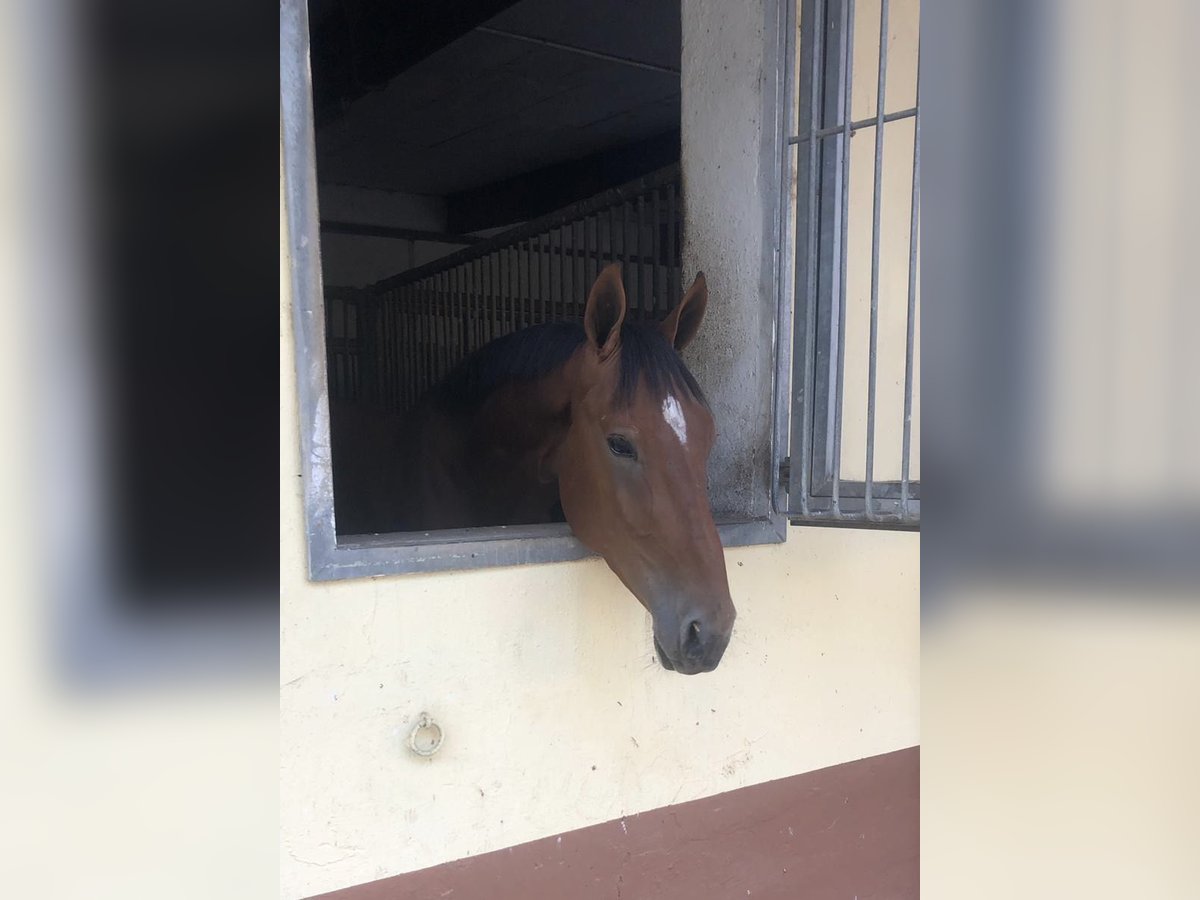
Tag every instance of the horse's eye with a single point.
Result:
(621, 446)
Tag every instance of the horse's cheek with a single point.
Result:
(579, 506)
(635, 505)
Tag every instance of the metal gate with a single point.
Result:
(822, 257)
(388, 343)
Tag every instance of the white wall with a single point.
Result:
(556, 713)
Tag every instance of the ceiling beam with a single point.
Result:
(359, 229)
(536, 193)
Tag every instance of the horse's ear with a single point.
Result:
(684, 321)
(605, 311)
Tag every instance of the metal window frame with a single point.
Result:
(816, 134)
(331, 558)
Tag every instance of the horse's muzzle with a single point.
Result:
(699, 647)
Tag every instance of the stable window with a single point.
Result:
(850, 260)
(506, 255)
(810, 360)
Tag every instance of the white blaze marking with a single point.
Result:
(674, 416)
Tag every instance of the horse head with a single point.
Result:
(632, 471)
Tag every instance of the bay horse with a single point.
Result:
(600, 423)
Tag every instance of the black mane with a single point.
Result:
(537, 351)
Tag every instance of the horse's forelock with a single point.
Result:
(648, 357)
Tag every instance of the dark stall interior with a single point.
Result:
(477, 164)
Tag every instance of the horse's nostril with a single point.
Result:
(693, 643)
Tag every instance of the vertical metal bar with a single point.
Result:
(656, 293)
(610, 255)
(410, 363)
(614, 226)
(673, 291)
(420, 374)
(414, 349)
(598, 246)
(480, 301)
(872, 362)
(543, 274)
(468, 308)
(579, 263)
(524, 290)
(437, 319)
(379, 337)
(476, 305)
(458, 319)
(464, 339)
(440, 321)
(378, 311)
(532, 283)
(624, 249)
(493, 280)
(585, 229)
(450, 312)
(400, 364)
(847, 80)
(597, 258)
(385, 336)
(430, 343)
(431, 329)
(421, 350)
(455, 317)
(347, 318)
(399, 330)
(399, 337)
(449, 316)
(502, 291)
(402, 355)
(914, 218)
(537, 302)
(382, 351)
(514, 277)
(419, 294)
(426, 291)
(569, 266)
(505, 291)
(445, 315)
(562, 272)
(497, 291)
(641, 224)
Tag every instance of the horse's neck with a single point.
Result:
(524, 419)
(495, 466)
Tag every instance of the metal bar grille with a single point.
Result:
(427, 319)
(836, 473)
